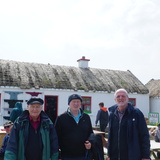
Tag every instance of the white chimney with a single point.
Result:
(83, 63)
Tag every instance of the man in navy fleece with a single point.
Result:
(73, 129)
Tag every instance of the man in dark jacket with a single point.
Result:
(102, 117)
(128, 133)
(33, 136)
(73, 130)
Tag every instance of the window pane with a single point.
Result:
(87, 108)
(86, 104)
(86, 100)
(133, 101)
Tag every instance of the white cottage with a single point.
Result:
(21, 80)
(154, 94)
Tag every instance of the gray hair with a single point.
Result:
(121, 89)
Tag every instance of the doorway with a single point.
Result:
(51, 107)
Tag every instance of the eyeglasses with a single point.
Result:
(78, 102)
(6, 127)
(35, 107)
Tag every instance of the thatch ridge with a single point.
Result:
(154, 88)
(35, 75)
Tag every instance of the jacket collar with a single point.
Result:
(129, 108)
(25, 116)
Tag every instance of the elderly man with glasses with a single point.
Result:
(128, 134)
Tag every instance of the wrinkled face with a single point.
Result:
(8, 129)
(121, 99)
(75, 105)
(34, 110)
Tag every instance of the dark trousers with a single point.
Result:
(103, 127)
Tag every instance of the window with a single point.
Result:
(133, 101)
(86, 104)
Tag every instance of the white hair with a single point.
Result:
(121, 89)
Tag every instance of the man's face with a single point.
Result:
(121, 99)
(75, 105)
(34, 110)
(8, 129)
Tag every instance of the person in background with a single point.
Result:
(33, 136)
(102, 117)
(128, 133)
(157, 138)
(7, 126)
(157, 134)
(16, 112)
(73, 129)
(151, 130)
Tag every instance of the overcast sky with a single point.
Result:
(113, 34)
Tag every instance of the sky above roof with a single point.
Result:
(113, 34)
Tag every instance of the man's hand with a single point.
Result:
(87, 145)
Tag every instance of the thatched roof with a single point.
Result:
(33, 75)
(154, 87)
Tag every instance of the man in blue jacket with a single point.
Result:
(8, 127)
(128, 133)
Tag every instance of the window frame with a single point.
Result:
(132, 100)
(88, 104)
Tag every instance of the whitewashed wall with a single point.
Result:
(142, 101)
(155, 104)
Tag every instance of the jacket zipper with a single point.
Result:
(79, 117)
(119, 139)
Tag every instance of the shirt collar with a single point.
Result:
(75, 118)
(31, 119)
(121, 112)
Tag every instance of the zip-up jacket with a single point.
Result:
(102, 116)
(72, 135)
(132, 134)
(19, 136)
